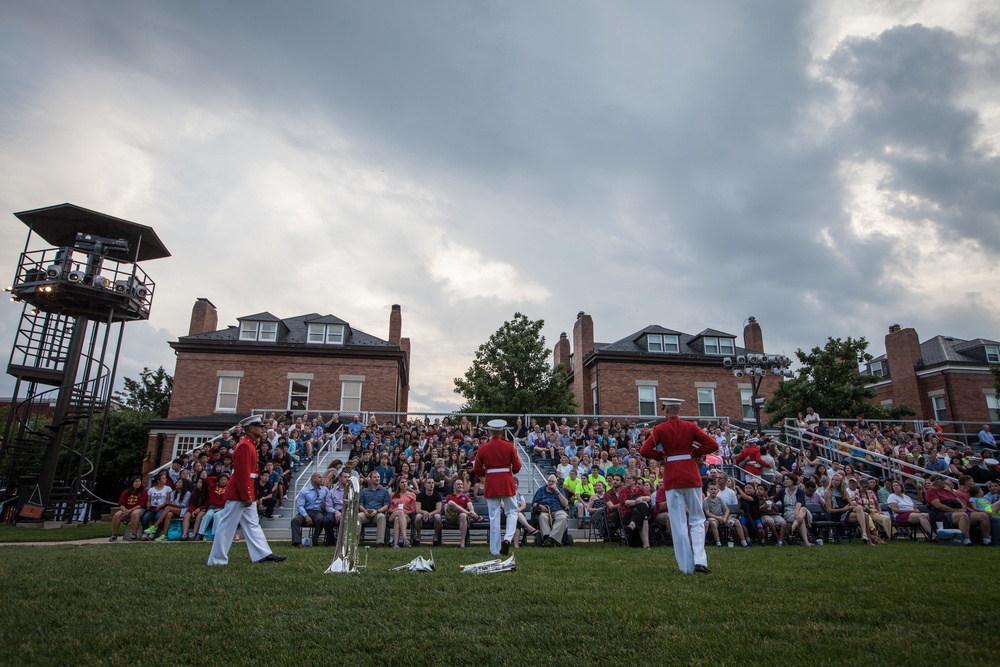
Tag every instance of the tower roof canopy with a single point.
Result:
(60, 224)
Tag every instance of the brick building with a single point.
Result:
(627, 376)
(943, 378)
(307, 363)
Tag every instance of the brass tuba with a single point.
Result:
(345, 555)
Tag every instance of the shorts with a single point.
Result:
(903, 517)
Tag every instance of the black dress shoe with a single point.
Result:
(703, 569)
(271, 558)
(505, 547)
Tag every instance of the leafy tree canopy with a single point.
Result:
(150, 393)
(828, 381)
(511, 374)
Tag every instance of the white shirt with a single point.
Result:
(728, 496)
(904, 503)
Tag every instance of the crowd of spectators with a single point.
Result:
(417, 475)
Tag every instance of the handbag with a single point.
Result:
(31, 511)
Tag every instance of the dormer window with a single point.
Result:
(326, 334)
(876, 369)
(266, 332)
(715, 345)
(662, 343)
(993, 354)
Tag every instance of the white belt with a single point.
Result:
(253, 475)
(680, 457)
(497, 470)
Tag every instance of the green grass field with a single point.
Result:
(156, 604)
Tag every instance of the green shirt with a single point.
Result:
(615, 470)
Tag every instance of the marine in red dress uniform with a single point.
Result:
(241, 507)
(678, 444)
(497, 462)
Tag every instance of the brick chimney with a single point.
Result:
(753, 339)
(404, 390)
(561, 353)
(204, 317)
(395, 324)
(583, 344)
(902, 351)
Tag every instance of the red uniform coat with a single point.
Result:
(754, 464)
(493, 455)
(675, 437)
(241, 484)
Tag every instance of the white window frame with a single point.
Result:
(235, 394)
(248, 329)
(993, 354)
(727, 346)
(184, 443)
(940, 408)
(268, 332)
(292, 394)
(671, 343)
(335, 334)
(993, 407)
(649, 400)
(746, 400)
(711, 392)
(346, 407)
(654, 343)
(315, 334)
(710, 340)
(663, 343)
(877, 369)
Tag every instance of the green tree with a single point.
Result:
(995, 369)
(511, 374)
(151, 392)
(124, 448)
(828, 381)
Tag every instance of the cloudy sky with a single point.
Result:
(831, 168)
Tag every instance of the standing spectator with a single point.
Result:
(752, 462)
(811, 420)
(131, 505)
(550, 503)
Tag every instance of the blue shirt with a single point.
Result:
(355, 428)
(549, 498)
(311, 499)
(371, 499)
(986, 438)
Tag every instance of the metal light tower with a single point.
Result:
(77, 296)
(756, 366)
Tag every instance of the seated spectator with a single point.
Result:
(842, 509)
(402, 507)
(636, 510)
(131, 506)
(267, 495)
(792, 502)
(661, 513)
(771, 517)
(157, 499)
(716, 514)
(549, 504)
(596, 506)
(386, 472)
(177, 507)
(750, 506)
(562, 470)
(522, 521)
(868, 500)
(986, 438)
(458, 510)
(538, 444)
(373, 503)
(333, 506)
(946, 508)
(197, 507)
(428, 512)
(216, 503)
(906, 510)
(309, 510)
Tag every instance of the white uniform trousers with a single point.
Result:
(226, 523)
(509, 507)
(686, 510)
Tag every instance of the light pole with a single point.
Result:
(755, 366)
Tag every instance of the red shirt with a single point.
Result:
(932, 494)
(627, 494)
(131, 498)
(216, 494)
(751, 454)
(611, 497)
(497, 455)
(241, 484)
(460, 500)
(682, 439)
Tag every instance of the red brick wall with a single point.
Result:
(963, 395)
(902, 350)
(583, 344)
(619, 393)
(265, 383)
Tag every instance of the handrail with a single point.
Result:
(336, 437)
